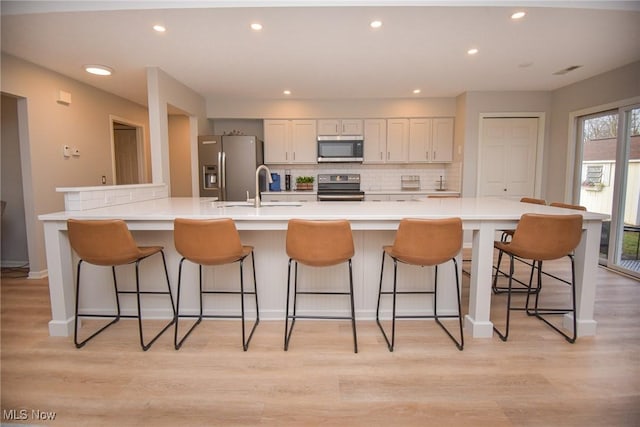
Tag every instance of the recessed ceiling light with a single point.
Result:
(518, 15)
(160, 28)
(287, 92)
(375, 24)
(472, 51)
(417, 91)
(256, 26)
(99, 70)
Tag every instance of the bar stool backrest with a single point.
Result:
(567, 206)
(207, 241)
(546, 237)
(103, 242)
(319, 243)
(533, 201)
(427, 241)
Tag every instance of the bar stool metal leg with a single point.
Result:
(178, 343)
(78, 315)
(146, 346)
(541, 313)
(459, 344)
(391, 341)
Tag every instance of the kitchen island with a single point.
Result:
(373, 224)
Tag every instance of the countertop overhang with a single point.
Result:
(167, 209)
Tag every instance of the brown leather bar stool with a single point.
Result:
(213, 242)
(109, 243)
(318, 244)
(506, 236)
(541, 238)
(423, 242)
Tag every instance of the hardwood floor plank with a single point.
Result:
(536, 378)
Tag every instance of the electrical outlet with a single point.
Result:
(66, 151)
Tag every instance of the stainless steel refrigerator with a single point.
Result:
(228, 166)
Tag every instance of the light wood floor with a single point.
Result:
(534, 379)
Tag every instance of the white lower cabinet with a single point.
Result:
(376, 197)
(289, 196)
(403, 197)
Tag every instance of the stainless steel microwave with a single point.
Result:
(340, 149)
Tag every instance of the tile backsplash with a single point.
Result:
(382, 177)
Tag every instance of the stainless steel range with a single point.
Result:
(339, 187)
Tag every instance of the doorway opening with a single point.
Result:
(127, 150)
(15, 245)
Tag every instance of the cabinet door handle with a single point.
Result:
(434, 154)
(388, 155)
(426, 154)
(286, 155)
(294, 155)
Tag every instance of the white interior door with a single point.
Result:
(508, 150)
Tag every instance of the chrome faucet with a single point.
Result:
(256, 200)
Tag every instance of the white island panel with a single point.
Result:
(374, 224)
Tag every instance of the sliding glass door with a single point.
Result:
(609, 144)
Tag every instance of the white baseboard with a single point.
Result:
(38, 274)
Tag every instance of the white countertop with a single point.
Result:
(187, 207)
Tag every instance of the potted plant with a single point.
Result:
(304, 183)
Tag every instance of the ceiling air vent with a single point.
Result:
(566, 70)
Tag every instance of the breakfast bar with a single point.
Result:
(373, 225)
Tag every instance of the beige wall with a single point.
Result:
(167, 95)
(342, 108)
(50, 125)
(179, 153)
(477, 103)
(85, 124)
(611, 87)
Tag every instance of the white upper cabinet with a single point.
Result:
(290, 141)
(339, 127)
(431, 140)
(386, 141)
(277, 137)
(304, 143)
(375, 141)
(442, 140)
(397, 140)
(420, 140)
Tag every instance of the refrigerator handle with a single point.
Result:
(223, 172)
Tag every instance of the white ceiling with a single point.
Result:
(325, 52)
